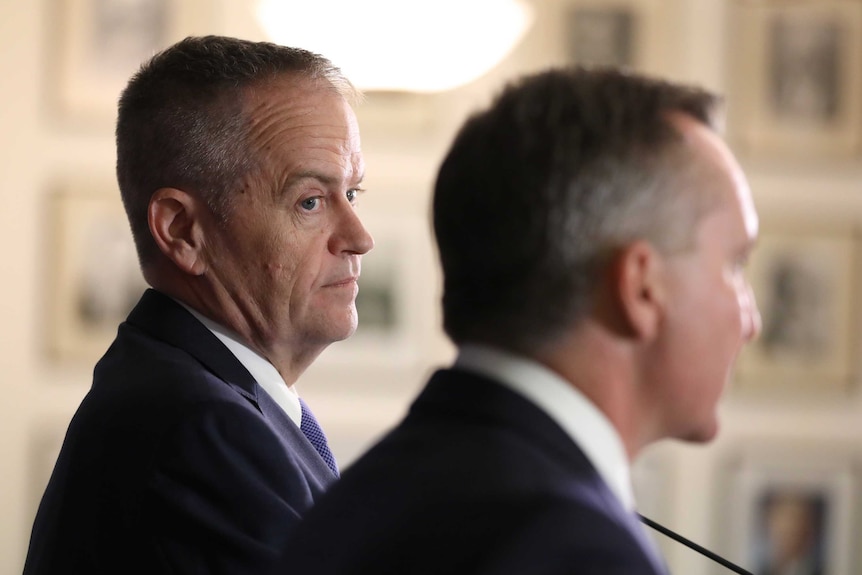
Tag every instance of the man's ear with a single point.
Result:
(174, 217)
(637, 284)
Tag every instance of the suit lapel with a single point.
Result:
(630, 521)
(461, 394)
(164, 319)
(303, 448)
(469, 396)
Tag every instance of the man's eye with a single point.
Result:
(351, 195)
(309, 203)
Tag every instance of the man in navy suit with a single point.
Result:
(592, 228)
(239, 165)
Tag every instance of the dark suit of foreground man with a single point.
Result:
(238, 164)
(592, 229)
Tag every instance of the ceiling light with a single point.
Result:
(401, 45)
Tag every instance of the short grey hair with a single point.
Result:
(182, 123)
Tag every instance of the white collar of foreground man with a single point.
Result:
(260, 369)
(586, 425)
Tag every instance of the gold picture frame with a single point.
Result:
(618, 33)
(804, 280)
(791, 504)
(393, 300)
(97, 45)
(95, 276)
(794, 84)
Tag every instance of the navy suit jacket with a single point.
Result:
(478, 480)
(176, 461)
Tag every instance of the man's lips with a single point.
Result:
(346, 282)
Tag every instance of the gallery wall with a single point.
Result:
(792, 418)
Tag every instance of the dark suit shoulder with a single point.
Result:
(139, 365)
(474, 479)
(170, 463)
(429, 532)
(566, 537)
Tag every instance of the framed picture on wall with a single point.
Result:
(792, 511)
(795, 87)
(609, 33)
(805, 284)
(601, 36)
(95, 277)
(96, 46)
(391, 304)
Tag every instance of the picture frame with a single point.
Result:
(805, 282)
(601, 35)
(792, 506)
(95, 275)
(794, 89)
(615, 33)
(393, 299)
(97, 45)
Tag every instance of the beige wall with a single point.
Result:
(359, 391)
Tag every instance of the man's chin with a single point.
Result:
(338, 326)
(701, 434)
(343, 332)
(347, 334)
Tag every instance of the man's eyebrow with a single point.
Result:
(309, 175)
(320, 177)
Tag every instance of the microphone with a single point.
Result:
(694, 546)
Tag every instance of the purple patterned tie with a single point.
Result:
(311, 429)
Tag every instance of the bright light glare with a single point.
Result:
(401, 44)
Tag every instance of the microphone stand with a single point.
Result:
(694, 546)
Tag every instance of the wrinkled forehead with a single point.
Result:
(304, 128)
(301, 104)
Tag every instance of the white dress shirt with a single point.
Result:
(260, 369)
(588, 427)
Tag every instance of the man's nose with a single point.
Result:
(752, 322)
(351, 236)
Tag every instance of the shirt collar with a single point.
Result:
(588, 427)
(260, 369)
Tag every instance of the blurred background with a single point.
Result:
(781, 483)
